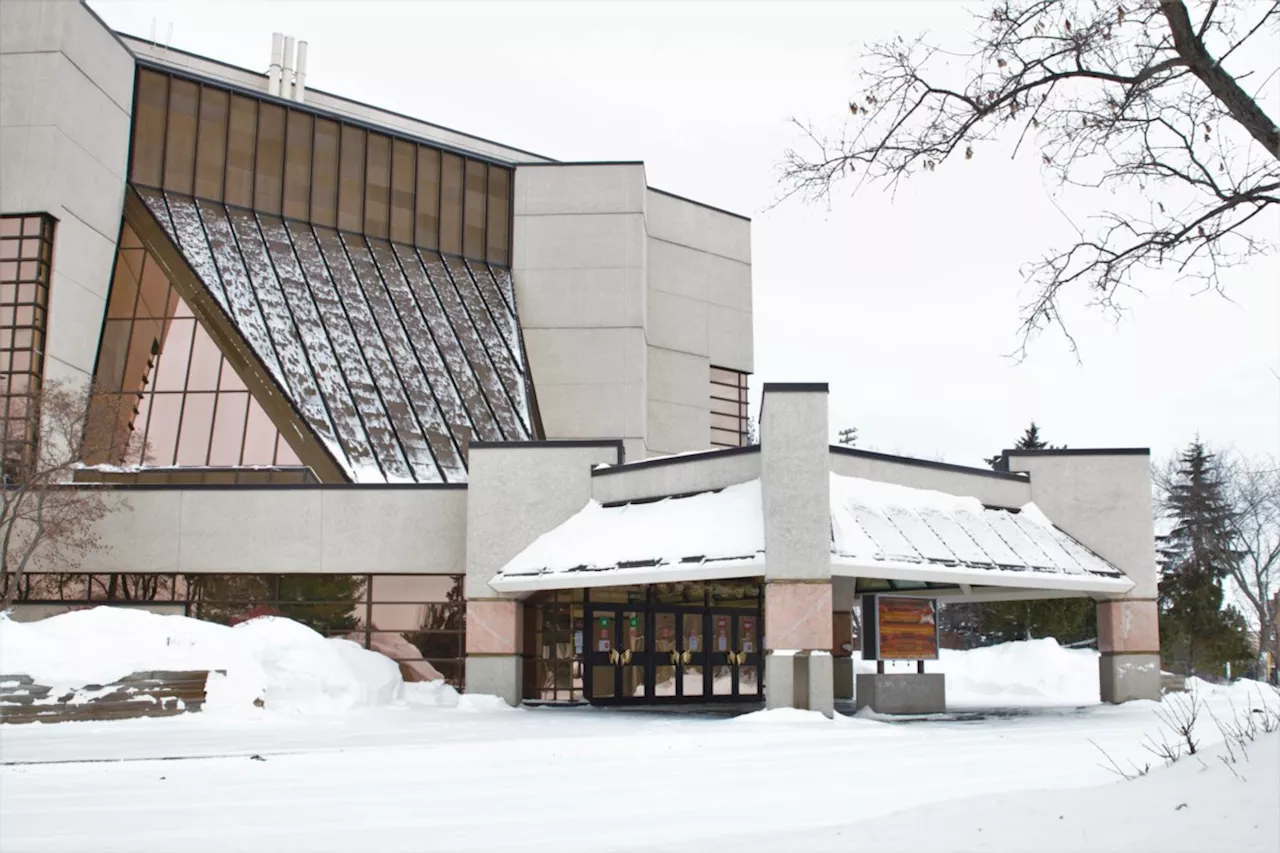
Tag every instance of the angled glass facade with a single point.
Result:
(394, 356)
(176, 398)
(359, 277)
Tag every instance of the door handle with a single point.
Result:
(614, 657)
(625, 657)
(675, 658)
(686, 657)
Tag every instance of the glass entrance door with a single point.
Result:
(679, 653)
(735, 657)
(617, 660)
(670, 644)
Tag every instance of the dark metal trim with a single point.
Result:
(615, 443)
(309, 107)
(162, 487)
(925, 463)
(792, 387)
(655, 499)
(585, 163)
(700, 204)
(1082, 451)
(642, 464)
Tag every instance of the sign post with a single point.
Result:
(899, 628)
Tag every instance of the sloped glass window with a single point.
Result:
(184, 403)
(395, 358)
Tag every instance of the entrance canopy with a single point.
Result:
(707, 536)
(882, 530)
(878, 530)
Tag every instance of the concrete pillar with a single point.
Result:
(494, 663)
(1103, 498)
(516, 492)
(779, 679)
(1129, 643)
(843, 600)
(842, 653)
(821, 683)
(795, 486)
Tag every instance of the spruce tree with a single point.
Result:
(1197, 556)
(1031, 439)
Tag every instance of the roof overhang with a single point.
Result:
(975, 576)
(878, 531)
(707, 570)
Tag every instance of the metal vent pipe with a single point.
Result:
(300, 75)
(277, 55)
(286, 83)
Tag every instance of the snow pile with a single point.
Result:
(281, 662)
(1030, 673)
(429, 694)
(784, 715)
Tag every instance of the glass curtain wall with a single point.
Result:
(179, 402)
(199, 139)
(728, 408)
(417, 620)
(26, 253)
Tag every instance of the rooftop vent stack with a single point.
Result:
(286, 83)
(277, 55)
(300, 74)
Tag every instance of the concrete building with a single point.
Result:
(477, 408)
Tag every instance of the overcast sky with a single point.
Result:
(907, 306)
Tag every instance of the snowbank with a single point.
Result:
(1031, 673)
(784, 715)
(281, 662)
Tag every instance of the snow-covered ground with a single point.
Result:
(428, 770)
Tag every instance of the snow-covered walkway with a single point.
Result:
(415, 778)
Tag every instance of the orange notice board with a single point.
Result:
(899, 628)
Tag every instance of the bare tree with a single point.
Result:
(1253, 491)
(1116, 95)
(46, 522)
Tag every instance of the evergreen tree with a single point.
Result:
(1067, 620)
(1196, 557)
(1031, 439)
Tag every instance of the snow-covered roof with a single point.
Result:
(390, 353)
(696, 537)
(886, 530)
(878, 530)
